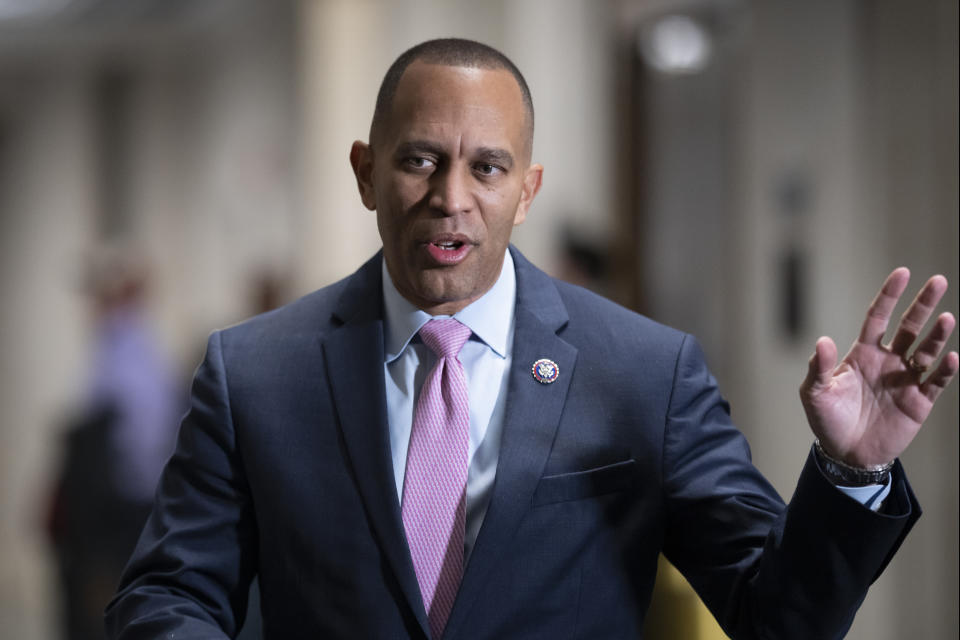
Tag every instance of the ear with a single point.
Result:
(361, 159)
(531, 185)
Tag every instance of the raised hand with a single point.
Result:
(867, 409)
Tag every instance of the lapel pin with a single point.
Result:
(545, 371)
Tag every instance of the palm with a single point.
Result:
(867, 409)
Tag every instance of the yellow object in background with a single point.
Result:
(676, 611)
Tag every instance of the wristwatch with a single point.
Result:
(845, 475)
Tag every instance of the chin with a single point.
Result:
(438, 294)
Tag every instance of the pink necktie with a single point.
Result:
(435, 482)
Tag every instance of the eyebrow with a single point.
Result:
(493, 155)
(414, 147)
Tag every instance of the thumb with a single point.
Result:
(822, 362)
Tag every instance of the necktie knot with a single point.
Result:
(445, 337)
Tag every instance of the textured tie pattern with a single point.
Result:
(435, 482)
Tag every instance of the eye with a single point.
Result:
(487, 169)
(418, 163)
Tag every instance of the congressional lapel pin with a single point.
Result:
(545, 371)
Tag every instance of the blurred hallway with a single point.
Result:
(754, 200)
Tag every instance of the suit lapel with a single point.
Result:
(354, 357)
(530, 424)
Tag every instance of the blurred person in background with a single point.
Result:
(115, 444)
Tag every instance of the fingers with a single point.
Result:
(878, 315)
(917, 314)
(932, 344)
(929, 350)
(941, 377)
(822, 362)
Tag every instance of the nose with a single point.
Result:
(450, 192)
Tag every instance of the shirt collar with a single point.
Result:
(490, 317)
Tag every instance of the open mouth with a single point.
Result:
(448, 251)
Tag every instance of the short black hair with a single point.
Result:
(452, 52)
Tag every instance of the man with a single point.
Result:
(513, 472)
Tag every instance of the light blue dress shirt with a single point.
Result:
(486, 362)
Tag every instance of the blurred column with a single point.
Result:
(565, 50)
(343, 57)
(47, 200)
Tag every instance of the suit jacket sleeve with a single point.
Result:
(765, 571)
(190, 573)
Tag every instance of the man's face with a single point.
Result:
(449, 179)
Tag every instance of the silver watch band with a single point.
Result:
(846, 475)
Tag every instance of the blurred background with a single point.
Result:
(745, 170)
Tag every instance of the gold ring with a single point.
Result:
(915, 366)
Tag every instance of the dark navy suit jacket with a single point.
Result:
(283, 470)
